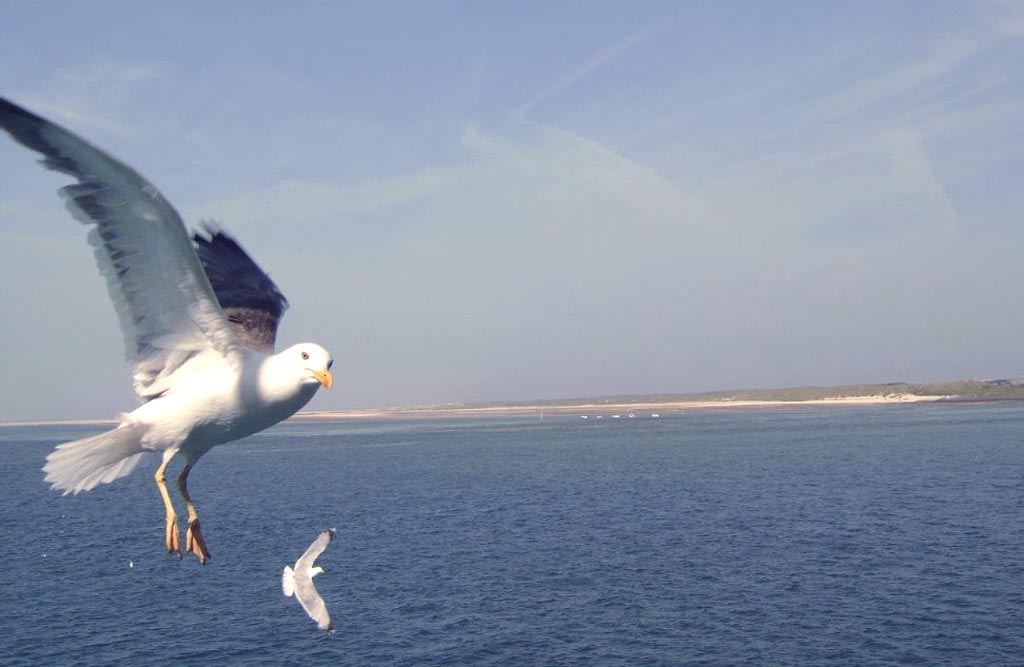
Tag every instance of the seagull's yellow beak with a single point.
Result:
(325, 377)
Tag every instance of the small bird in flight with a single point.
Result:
(300, 581)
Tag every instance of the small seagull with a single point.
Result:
(300, 582)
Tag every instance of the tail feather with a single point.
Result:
(288, 581)
(82, 464)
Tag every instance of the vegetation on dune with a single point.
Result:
(960, 389)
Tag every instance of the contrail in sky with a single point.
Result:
(590, 64)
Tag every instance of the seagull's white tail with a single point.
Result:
(288, 581)
(82, 464)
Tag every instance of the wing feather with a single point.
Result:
(311, 601)
(251, 301)
(306, 560)
(166, 307)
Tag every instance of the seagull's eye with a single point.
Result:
(305, 355)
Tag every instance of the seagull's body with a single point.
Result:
(300, 581)
(199, 319)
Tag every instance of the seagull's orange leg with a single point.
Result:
(194, 541)
(172, 539)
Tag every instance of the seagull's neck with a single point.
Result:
(278, 389)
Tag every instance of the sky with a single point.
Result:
(519, 200)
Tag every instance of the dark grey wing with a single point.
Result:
(251, 301)
(319, 544)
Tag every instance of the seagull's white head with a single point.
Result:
(313, 361)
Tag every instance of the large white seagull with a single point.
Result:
(199, 319)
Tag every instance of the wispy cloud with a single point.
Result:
(947, 57)
(914, 163)
(319, 202)
(584, 68)
(87, 96)
(77, 115)
(473, 138)
(895, 82)
(106, 73)
(1006, 17)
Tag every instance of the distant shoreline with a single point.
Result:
(612, 408)
(587, 408)
(893, 393)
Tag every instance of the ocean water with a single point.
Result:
(816, 536)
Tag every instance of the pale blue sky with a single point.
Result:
(489, 201)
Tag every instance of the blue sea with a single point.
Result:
(889, 535)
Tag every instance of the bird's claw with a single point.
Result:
(194, 542)
(172, 538)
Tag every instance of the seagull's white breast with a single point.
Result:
(210, 402)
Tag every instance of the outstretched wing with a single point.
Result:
(306, 560)
(166, 307)
(311, 601)
(251, 301)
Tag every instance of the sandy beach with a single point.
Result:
(587, 408)
(622, 409)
